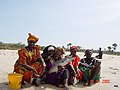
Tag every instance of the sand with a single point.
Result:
(110, 71)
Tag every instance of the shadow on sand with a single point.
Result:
(5, 86)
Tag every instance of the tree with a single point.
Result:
(42, 48)
(1, 42)
(63, 47)
(19, 43)
(69, 45)
(114, 46)
(79, 47)
(109, 48)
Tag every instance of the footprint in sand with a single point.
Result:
(113, 68)
(113, 72)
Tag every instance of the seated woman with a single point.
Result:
(59, 78)
(30, 63)
(47, 55)
(59, 52)
(72, 67)
(90, 68)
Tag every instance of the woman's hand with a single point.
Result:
(29, 68)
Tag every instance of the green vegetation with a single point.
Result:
(111, 49)
(15, 46)
(11, 46)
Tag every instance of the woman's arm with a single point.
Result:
(42, 60)
(29, 68)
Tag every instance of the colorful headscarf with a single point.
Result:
(58, 49)
(74, 47)
(32, 38)
(51, 48)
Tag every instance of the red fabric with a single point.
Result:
(79, 75)
(76, 61)
(29, 58)
(27, 76)
(74, 47)
(39, 67)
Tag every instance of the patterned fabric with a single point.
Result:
(32, 38)
(72, 74)
(61, 50)
(89, 73)
(91, 61)
(29, 58)
(76, 61)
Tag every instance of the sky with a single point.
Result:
(87, 23)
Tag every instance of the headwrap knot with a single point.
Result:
(32, 38)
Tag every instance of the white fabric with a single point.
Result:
(51, 48)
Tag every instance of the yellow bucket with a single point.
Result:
(15, 80)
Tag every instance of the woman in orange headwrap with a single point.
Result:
(30, 63)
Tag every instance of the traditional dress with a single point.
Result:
(45, 55)
(72, 73)
(57, 78)
(47, 61)
(31, 58)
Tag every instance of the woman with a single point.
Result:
(30, 63)
(47, 55)
(59, 78)
(59, 52)
(75, 73)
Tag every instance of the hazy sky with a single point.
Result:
(88, 23)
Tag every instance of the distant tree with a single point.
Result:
(109, 48)
(69, 45)
(42, 48)
(1, 42)
(19, 43)
(104, 49)
(79, 47)
(114, 46)
(63, 47)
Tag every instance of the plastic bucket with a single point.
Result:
(15, 80)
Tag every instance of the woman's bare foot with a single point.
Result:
(61, 86)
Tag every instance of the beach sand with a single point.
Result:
(110, 73)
